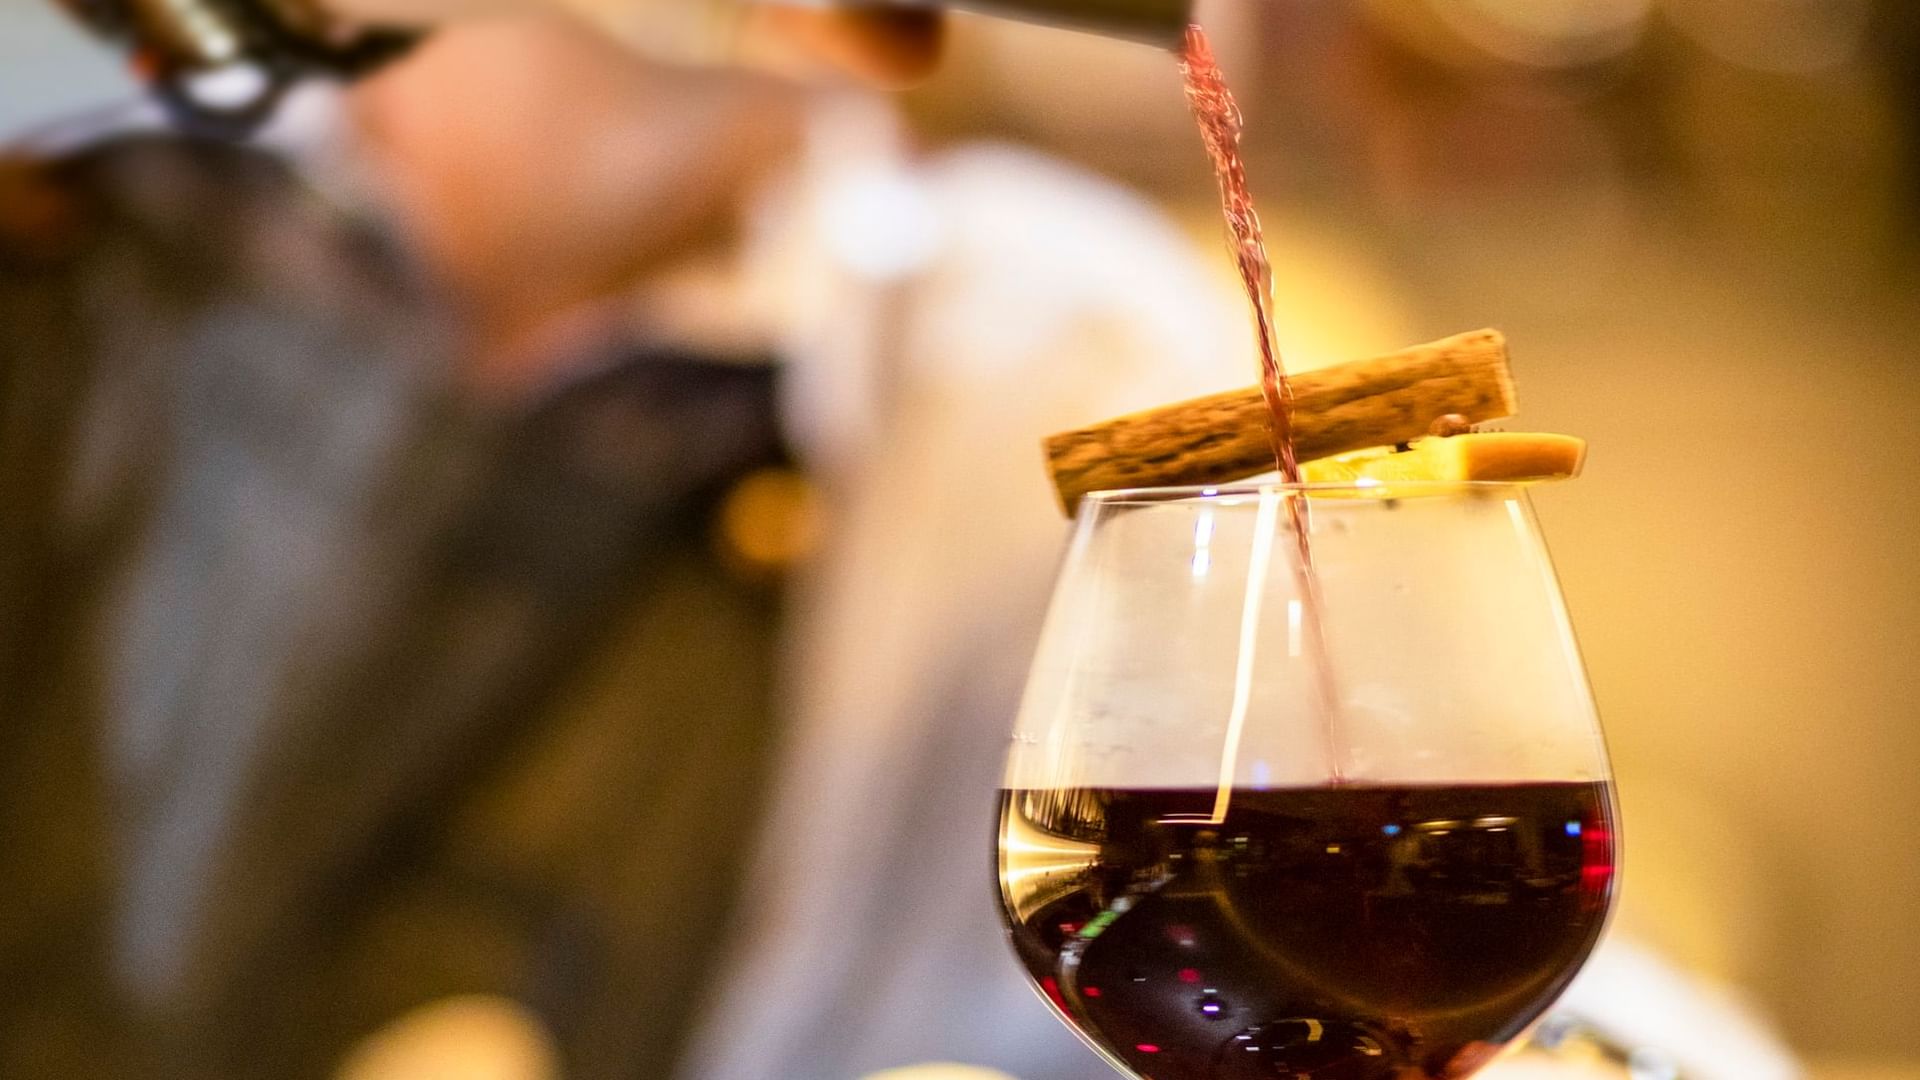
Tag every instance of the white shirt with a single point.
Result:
(942, 318)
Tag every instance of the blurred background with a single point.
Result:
(1698, 221)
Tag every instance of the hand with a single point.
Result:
(886, 47)
(1533, 1066)
(940, 1071)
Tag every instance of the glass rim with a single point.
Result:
(1242, 490)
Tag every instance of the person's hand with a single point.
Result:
(939, 1071)
(882, 46)
(1534, 1066)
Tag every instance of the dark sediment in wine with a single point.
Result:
(1355, 931)
(1220, 123)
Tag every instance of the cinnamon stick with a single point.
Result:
(1222, 437)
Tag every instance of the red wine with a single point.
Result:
(1354, 931)
(1218, 115)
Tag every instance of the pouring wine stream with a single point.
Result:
(1220, 127)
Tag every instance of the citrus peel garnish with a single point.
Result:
(1513, 457)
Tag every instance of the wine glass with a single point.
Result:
(1307, 782)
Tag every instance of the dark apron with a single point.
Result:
(322, 695)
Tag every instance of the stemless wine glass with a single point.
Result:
(1327, 809)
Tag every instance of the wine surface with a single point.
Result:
(1353, 931)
